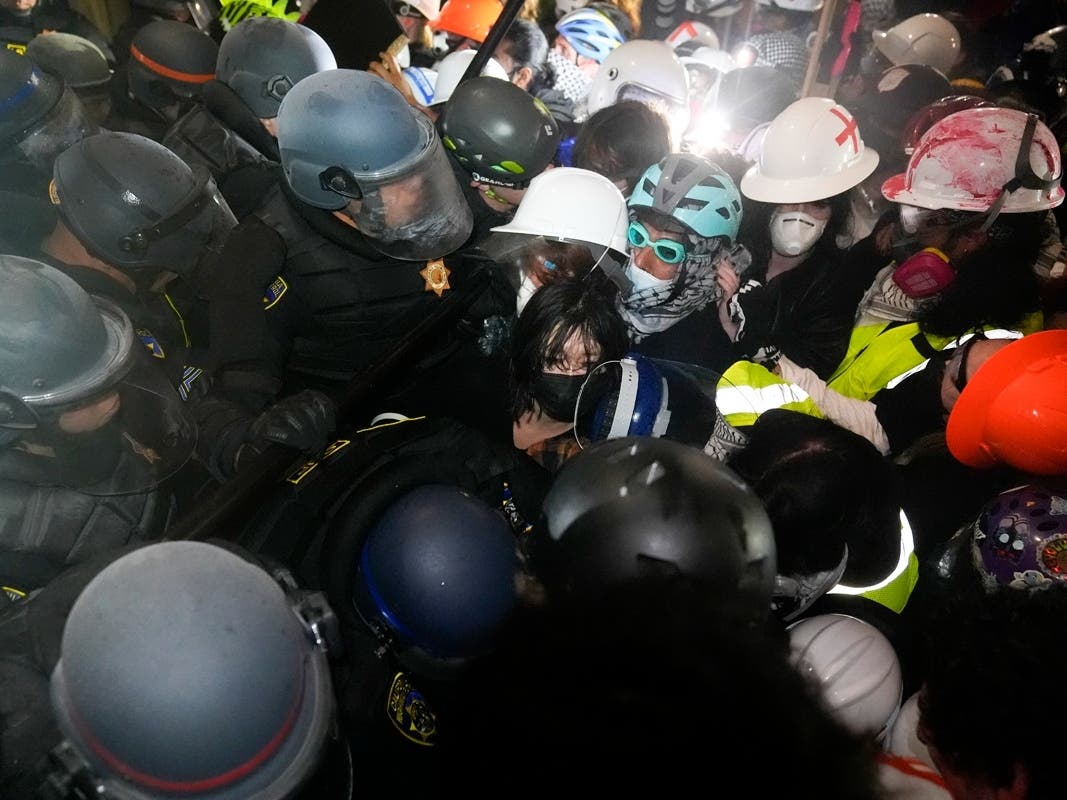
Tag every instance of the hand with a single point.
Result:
(303, 421)
(729, 282)
(389, 70)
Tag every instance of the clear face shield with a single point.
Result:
(64, 125)
(532, 261)
(413, 211)
(123, 439)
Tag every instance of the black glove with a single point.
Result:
(303, 421)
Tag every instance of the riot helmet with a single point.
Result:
(137, 206)
(629, 507)
(169, 63)
(79, 62)
(498, 132)
(262, 58)
(186, 669)
(1020, 539)
(79, 391)
(435, 577)
(39, 117)
(349, 140)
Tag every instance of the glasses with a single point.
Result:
(963, 352)
(667, 250)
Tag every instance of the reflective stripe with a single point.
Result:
(992, 333)
(752, 400)
(907, 554)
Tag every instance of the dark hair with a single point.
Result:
(525, 42)
(823, 487)
(663, 678)
(996, 285)
(757, 217)
(621, 141)
(554, 313)
(989, 657)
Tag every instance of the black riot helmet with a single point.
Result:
(630, 507)
(74, 379)
(186, 670)
(262, 58)
(499, 133)
(39, 117)
(435, 577)
(79, 62)
(134, 204)
(169, 63)
(349, 140)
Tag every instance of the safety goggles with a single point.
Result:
(667, 250)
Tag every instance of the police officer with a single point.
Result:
(138, 225)
(260, 60)
(372, 216)
(90, 429)
(246, 707)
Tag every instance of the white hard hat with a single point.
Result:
(564, 7)
(854, 666)
(451, 68)
(422, 81)
(428, 8)
(965, 161)
(644, 70)
(699, 33)
(902, 738)
(928, 39)
(812, 150)
(572, 204)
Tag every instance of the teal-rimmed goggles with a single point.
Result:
(667, 250)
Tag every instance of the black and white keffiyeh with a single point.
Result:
(656, 309)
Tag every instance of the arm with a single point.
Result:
(855, 415)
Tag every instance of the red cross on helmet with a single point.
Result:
(812, 150)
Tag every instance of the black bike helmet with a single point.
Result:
(498, 132)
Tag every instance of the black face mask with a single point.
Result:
(557, 395)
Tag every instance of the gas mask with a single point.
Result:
(924, 274)
(794, 232)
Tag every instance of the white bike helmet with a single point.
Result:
(928, 39)
(793, 5)
(647, 71)
(451, 68)
(975, 159)
(811, 151)
(855, 668)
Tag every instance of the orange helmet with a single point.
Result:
(470, 19)
(1014, 410)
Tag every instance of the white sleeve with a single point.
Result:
(856, 415)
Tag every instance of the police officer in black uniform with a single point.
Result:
(91, 432)
(139, 226)
(373, 219)
(233, 128)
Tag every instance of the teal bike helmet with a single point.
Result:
(693, 191)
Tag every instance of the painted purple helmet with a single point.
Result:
(1020, 539)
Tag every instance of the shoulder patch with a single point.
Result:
(410, 713)
(151, 342)
(277, 289)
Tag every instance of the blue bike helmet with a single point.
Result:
(694, 192)
(590, 32)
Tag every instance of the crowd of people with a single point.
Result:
(676, 389)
